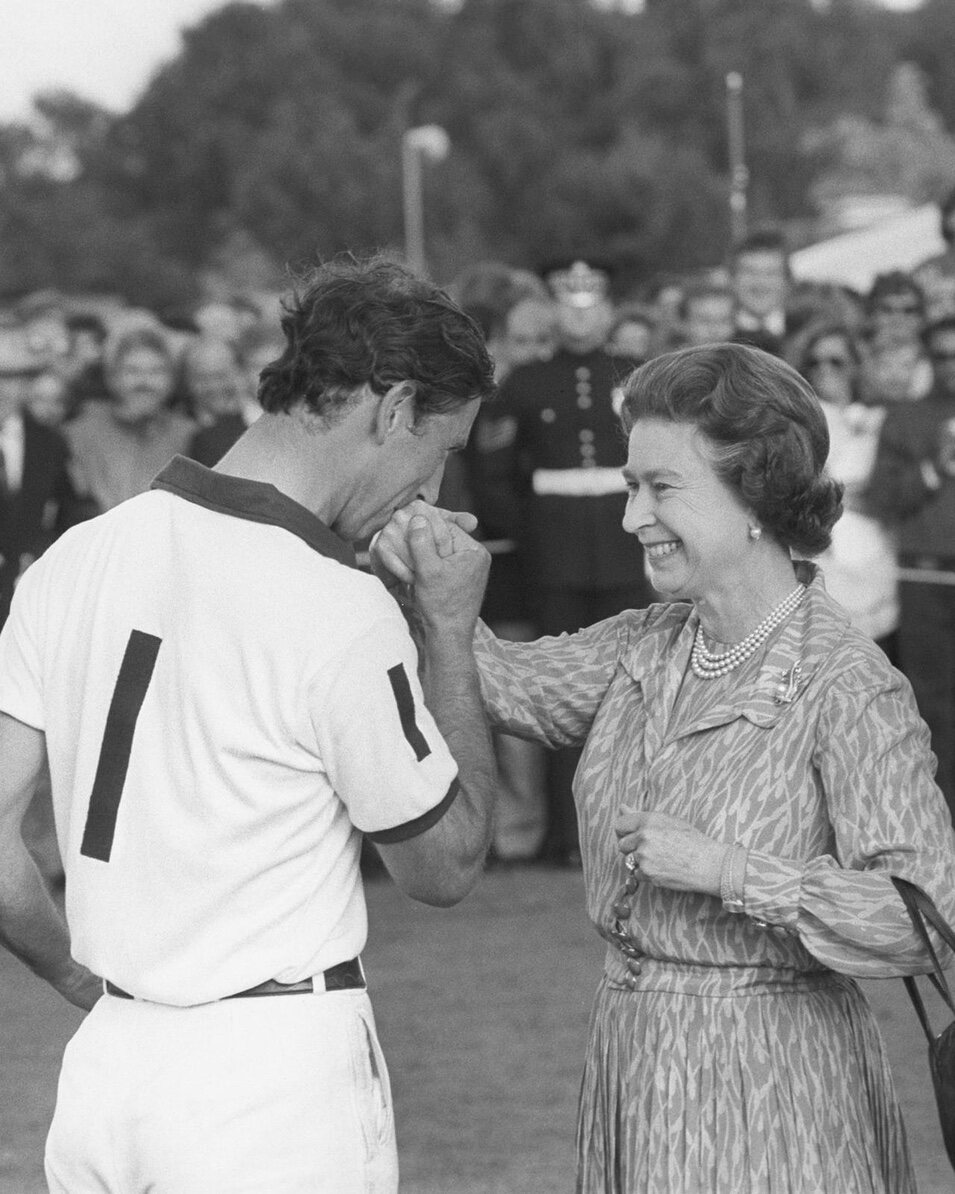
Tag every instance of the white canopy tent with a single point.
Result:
(854, 258)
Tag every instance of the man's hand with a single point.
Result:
(450, 571)
(390, 554)
(31, 925)
(81, 987)
(670, 852)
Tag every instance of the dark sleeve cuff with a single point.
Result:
(410, 829)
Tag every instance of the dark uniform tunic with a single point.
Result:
(548, 474)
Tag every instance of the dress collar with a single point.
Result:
(256, 501)
(765, 688)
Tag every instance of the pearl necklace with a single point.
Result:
(708, 665)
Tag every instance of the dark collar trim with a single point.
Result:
(254, 500)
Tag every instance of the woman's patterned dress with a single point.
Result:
(742, 1058)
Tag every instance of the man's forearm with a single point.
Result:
(452, 692)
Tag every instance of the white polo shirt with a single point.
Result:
(226, 703)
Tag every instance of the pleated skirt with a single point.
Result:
(786, 1091)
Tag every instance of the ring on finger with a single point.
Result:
(631, 863)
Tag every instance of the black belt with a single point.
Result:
(346, 976)
(926, 562)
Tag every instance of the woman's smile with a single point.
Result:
(657, 551)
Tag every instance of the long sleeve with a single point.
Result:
(550, 690)
(875, 770)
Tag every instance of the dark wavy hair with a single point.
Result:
(354, 322)
(764, 429)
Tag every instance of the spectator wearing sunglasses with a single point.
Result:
(896, 369)
(913, 481)
(936, 275)
(861, 565)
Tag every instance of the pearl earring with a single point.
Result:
(755, 532)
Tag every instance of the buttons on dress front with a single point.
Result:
(584, 397)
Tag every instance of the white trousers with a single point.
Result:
(285, 1094)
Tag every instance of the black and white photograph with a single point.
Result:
(477, 596)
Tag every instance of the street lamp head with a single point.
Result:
(429, 140)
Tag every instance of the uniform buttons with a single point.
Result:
(587, 453)
(584, 401)
(632, 982)
(586, 436)
(582, 373)
(634, 966)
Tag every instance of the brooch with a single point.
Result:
(788, 686)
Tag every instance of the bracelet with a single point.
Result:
(732, 878)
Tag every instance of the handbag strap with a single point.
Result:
(916, 996)
(921, 909)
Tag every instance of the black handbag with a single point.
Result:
(941, 1048)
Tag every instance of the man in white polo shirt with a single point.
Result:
(226, 705)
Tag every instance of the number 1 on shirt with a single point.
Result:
(136, 670)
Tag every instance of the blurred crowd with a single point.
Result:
(94, 402)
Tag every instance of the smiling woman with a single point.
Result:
(710, 470)
(738, 797)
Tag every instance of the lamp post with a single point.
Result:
(427, 142)
(739, 174)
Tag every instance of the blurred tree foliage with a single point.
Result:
(575, 128)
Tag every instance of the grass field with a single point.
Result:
(482, 1010)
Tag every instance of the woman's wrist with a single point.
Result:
(733, 877)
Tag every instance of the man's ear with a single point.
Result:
(396, 410)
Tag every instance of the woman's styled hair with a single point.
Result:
(372, 322)
(763, 427)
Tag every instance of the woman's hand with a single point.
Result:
(670, 852)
